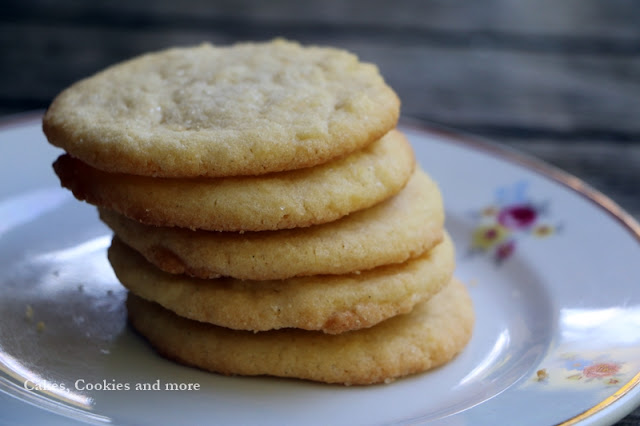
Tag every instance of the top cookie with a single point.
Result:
(245, 109)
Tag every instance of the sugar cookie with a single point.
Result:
(393, 231)
(245, 109)
(432, 334)
(333, 303)
(282, 200)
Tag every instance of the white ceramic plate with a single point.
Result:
(552, 268)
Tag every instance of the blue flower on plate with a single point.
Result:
(578, 364)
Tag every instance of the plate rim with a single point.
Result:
(484, 145)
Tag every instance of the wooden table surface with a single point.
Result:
(556, 79)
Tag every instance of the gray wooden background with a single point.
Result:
(559, 79)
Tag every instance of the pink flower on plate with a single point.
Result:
(602, 369)
(520, 216)
(512, 217)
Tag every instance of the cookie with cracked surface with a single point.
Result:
(296, 198)
(402, 227)
(333, 304)
(431, 335)
(244, 109)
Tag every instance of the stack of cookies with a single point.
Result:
(268, 217)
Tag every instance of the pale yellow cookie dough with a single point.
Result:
(431, 335)
(245, 109)
(282, 200)
(393, 231)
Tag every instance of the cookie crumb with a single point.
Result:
(542, 374)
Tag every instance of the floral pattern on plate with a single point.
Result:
(512, 216)
(588, 369)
